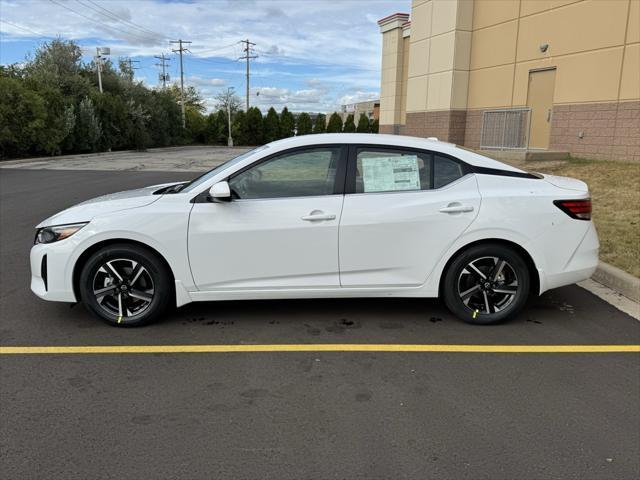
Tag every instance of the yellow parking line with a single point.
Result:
(321, 348)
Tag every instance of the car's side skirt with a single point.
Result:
(350, 292)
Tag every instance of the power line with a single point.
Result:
(209, 61)
(98, 22)
(247, 56)
(26, 29)
(181, 49)
(109, 13)
(209, 50)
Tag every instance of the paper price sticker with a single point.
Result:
(389, 174)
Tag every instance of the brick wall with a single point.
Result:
(447, 125)
(473, 129)
(610, 131)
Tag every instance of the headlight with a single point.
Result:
(57, 232)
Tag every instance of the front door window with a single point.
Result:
(297, 174)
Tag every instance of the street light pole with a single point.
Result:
(229, 138)
(100, 51)
(98, 67)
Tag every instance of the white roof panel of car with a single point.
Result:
(465, 155)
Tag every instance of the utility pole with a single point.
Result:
(247, 56)
(163, 63)
(131, 67)
(229, 96)
(181, 49)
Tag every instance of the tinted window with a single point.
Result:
(445, 171)
(392, 171)
(211, 173)
(299, 174)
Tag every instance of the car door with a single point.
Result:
(403, 209)
(280, 230)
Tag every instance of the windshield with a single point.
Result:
(212, 173)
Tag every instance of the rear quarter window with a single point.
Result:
(445, 171)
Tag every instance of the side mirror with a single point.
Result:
(220, 192)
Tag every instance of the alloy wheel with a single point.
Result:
(487, 285)
(123, 288)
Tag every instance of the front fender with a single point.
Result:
(166, 233)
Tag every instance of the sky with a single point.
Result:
(312, 55)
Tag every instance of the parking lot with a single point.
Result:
(295, 412)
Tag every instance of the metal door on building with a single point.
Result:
(540, 100)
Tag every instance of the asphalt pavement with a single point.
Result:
(316, 415)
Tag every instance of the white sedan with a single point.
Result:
(318, 216)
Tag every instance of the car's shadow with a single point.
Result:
(566, 315)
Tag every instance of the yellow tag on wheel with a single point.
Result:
(120, 319)
(475, 313)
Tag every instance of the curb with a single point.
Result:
(618, 280)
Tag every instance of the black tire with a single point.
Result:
(138, 285)
(504, 288)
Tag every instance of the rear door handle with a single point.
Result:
(457, 208)
(318, 215)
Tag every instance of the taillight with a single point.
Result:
(578, 209)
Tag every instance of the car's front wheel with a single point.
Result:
(486, 284)
(125, 285)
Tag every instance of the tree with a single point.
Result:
(192, 98)
(165, 122)
(271, 126)
(287, 123)
(254, 128)
(88, 128)
(363, 124)
(222, 119)
(226, 100)
(349, 125)
(51, 105)
(239, 128)
(374, 126)
(321, 124)
(196, 126)
(22, 118)
(126, 69)
(335, 123)
(304, 124)
(116, 122)
(212, 129)
(55, 61)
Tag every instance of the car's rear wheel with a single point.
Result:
(486, 284)
(125, 285)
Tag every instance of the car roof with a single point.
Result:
(431, 144)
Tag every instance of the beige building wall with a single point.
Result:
(438, 67)
(468, 56)
(593, 46)
(586, 40)
(392, 93)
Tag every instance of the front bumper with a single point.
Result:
(51, 274)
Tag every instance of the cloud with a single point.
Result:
(313, 53)
(205, 82)
(359, 97)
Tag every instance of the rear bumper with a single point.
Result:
(580, 266)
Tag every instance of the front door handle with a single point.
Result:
(318, 215)
(457, 208)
